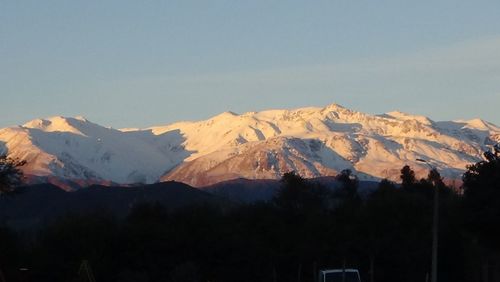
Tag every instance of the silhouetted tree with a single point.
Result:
(435, 178)
(482, 207)
(407, 176)
(300, 195)
(348, 186)
(10, 174)
(482, 193)
(395, 224)
(385, 186)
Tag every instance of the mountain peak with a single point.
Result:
(480, 124)
(77, 125)
(223, 117)
(52, 124)
(81, 118)
(227, 114)
(335, 107)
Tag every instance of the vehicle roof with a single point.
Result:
(339, 270)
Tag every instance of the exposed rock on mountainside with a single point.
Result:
(257, 145)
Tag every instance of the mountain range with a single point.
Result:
(314, 142)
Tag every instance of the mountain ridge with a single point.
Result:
(313, 141)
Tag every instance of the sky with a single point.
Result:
(144, 63)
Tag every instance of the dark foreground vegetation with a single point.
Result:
(305, 228)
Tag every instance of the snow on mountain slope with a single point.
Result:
(74, 148)
(322, 141)
(255, 145)
(268, 159)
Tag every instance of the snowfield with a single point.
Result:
(256, 145)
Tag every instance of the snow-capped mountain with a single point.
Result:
(256, 145)
(74, 148)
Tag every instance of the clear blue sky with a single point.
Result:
(142, 63)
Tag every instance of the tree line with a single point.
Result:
(305, 228)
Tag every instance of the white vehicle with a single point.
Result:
(339, 275)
